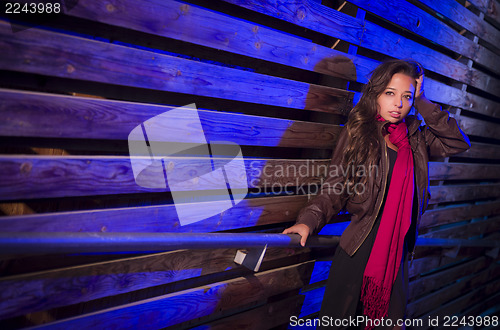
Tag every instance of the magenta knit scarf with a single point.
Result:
(385, 257)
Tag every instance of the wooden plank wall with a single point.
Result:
(275, 77)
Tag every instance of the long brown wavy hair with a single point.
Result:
(363, 147)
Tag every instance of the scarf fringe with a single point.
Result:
(375, 298)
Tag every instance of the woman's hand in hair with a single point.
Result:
(301, 229)
(419, 89)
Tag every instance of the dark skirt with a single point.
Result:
(343, 289)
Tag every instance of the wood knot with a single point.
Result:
(70, 68)
(255, 29)
(26, 168)
(258, 45)
(301, 14)
(184, 9)
(110, 7)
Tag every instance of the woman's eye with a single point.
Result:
(389, 93)
(408, 97)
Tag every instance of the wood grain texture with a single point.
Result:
(32, 292)
(426, 284)
(414, 19)
(219, 31)
(183, 306)
(482, 150)
(26, 177)
(472, 230)
(458, 193)
(482, 305)
(454, 214)
(246, 38)
(434, 300)
(65, 56)
(477, 127)
(481, 105)
(159, 218)
(457, 296)
(463, 302)
(271, 315)
(439, 258)
(319, 18)
(31, 114)
(462, 171)
(490, 8)
(460, 15)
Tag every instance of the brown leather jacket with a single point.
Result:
(441, 137)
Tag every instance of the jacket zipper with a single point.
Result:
(419, 205)
(383, 194)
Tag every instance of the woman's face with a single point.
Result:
(396, 100)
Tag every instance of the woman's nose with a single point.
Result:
(398, 103)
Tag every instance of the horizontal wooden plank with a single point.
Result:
(469, 230)
(440, 279)
(480, 105)
(319, 18)
(490, 8)
(160, 218)
(461, 171)
(458, 193)
(457, 13)
(56, 54)
(482, 150)
(48, 115)
(475, 295)
(439, 92)
(271, 315)
(484, 305)
(477, 127)
(26, 177)
(222, 32)
(418, 21)
(445, 215)
(430, 259)
(219, 31)
(422, 265)
(274, 45)
(28, 293)
(444, 295)
(193, 304)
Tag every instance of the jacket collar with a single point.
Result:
(412, 122)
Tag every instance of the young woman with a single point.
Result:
(384, 155)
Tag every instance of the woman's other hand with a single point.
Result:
(419, 89)
(301, 229)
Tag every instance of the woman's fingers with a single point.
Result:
(419, 89)
(301, 229)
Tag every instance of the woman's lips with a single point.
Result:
(395, 114)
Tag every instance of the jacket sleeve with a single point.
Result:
(442, 135)
(318, 211)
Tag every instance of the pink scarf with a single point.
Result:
(385, 257)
